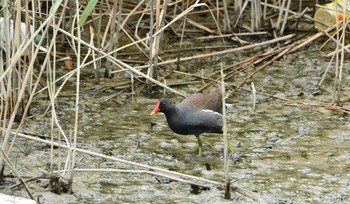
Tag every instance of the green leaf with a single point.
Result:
(90, 6)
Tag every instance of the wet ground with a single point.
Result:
(286, 154)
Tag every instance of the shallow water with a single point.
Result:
(286, 154)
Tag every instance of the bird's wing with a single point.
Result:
(209, 101)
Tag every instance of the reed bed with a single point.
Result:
(131, 37)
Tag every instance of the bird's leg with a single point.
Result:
(199, 145)
(230, 147)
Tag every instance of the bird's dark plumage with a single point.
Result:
(197, 114)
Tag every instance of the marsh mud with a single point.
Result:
(284, 152)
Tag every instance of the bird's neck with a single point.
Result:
(173, 116)
(172, 112)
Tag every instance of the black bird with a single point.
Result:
(197, 114)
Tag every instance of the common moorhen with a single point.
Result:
(197, 114)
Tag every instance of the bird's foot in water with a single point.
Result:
(200, 151)
(195, 157)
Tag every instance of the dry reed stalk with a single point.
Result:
(240, 66)
(76, 120)
(224, 52)
(112, 32)
(224, 128)
(264, 10)
(200, 26)
(21, 90)
(202, 77)
(334, 53)
(182, 35)
(184, 13)
(227, 21)
(29, 74)
(290, 102)
(253, 96)
(159, 171)
(280, 15)
(96, 64)
(285, 17)
(240, 13)
(132, 12)
(339, 62)
(331, 38)
(281, 54)
(217, 7)
(120, 10)
(229, 35)
(115, 61)
(156, 169)
(9, 163)
(237, 10)
(135, 35)
(153, 61)
(256, 15)
(326, 71)
(51, 90)
(133, 172)
(307, 17)
(45, 61)
(312, 38)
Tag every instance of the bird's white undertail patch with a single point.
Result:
(214, 112)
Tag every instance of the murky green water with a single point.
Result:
(286, 154)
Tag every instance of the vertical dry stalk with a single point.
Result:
(253, 96)
(337, 64)
(183, 29)
(116, 43)
(76, 121)
(97, 65)
(227, 24)
(217, 12)
(252, 15)
(255, 15)
(226, 141)
(52, 96)
(5, 81)
(237, 10)
(160, 18)
(340, 64)
(285, 18)
(14, 80)
(238, 6)
(345, 23)
(156, 41)
(151, 67)
(238, 15)
(51, 92)
(30, 69)
(258, 14)
(155, 49)
(280, 15)
(113, 30)
(265, 9)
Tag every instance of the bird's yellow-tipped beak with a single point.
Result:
(156, 109)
